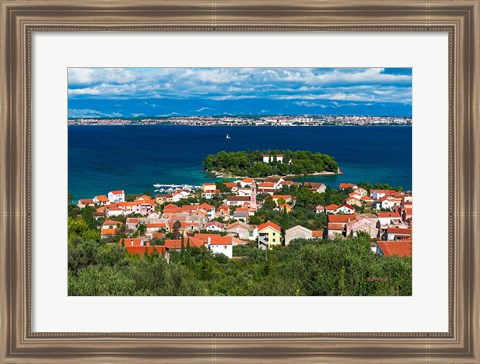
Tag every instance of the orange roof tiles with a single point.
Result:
(142, 249)
(118, 192)
(388, 214)
(206, 206)
(269, 224)
(215, 239)
(170, 208)
(401, 248)
(331, 207)
(126, 204)
(393, 230)
(341, 218)
(112, 222)
(333, 226)
(346, 185)
(109, 231)
(129, 242)
(156, 225)
(266, 184)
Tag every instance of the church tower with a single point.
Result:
(253, 195)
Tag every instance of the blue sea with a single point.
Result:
(133, 158)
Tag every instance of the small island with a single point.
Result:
(263, 163)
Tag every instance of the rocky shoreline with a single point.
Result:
(217, 174)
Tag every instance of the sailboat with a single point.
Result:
(228, 137)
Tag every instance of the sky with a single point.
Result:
(148, 92)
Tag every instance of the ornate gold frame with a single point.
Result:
(19, 19)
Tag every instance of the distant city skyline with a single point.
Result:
(150, 92)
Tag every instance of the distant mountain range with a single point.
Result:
(128, 108)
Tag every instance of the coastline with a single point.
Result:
(288, 176)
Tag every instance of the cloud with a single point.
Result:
(89, 113)
(309, 104)
(355, 84)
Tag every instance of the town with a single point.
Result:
(260, 213)
(271, 120)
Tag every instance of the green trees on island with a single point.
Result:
(251, 163)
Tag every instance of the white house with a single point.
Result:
(85, 202)
(179, 194)
(270, 158)
(244, 183)
(209, 187)
(115, 211)
(215, 226)
(388, 218)
(100, 200)
(345, 209)
(116, 196)
(220, 245)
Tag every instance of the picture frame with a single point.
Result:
(20, 19)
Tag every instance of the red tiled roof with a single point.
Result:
(133, 220)
(317, 233)
(87, 201)
(177, 243)
(266, 184)
(333, 226)
(241, 224)
(341, 218)
(112, 223)
(331, 207)
(285, 206)
(238, 198)
(348, 206)
(117, 192)
(215, 239)
(144, 202)
(285, 197)
(156, 225)
(394, 230)
(269, 224)
(206, 206)
(172, 208)
(102, 198)
(109, 231)
(388, 214)
(129, 242)
(401, 248)
(157, 235)
(141, 249)
(346, 185)
(126, 203)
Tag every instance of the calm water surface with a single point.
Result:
(133, 158)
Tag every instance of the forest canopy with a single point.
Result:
(251, 164)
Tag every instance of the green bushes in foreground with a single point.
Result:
(311, 268)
